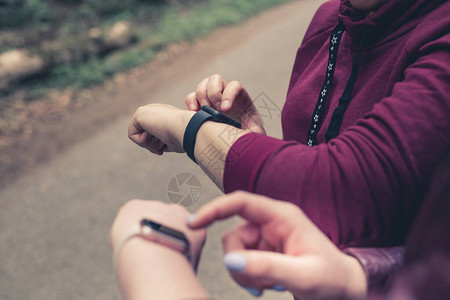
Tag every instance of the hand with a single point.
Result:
(229, 98)
(159, 128)
(279, 247)
(171, 215)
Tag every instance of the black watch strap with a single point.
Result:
(190, 134)
(205, 114)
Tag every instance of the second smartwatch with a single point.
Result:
(157, 233)
(205, 114)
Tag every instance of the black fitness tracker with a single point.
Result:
(205, 114)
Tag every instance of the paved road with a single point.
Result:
(55, 220)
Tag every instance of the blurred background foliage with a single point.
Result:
(25, 12)
(55, 56)
(80, 43)
(18, 12)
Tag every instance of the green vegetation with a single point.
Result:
(17, 12)
(156, 24)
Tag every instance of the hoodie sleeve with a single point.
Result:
(363, 187)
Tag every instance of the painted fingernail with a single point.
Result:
(234, 261)
(225, 104)
(191, 218)
(253, 291)
(278, 288)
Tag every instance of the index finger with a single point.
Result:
(200, 93)
(214, 89)
(136, 133)
(254, 208)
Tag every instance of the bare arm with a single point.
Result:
(148, 270)
(160, 128)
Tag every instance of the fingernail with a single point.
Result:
(234, 261)
(225, 104)
(192, 106)
(218, 105)
(191, 218)
(278, 288)
(253, 291)
(204, 102)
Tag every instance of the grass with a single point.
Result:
(173, 25)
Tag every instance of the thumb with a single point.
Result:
(264, 269)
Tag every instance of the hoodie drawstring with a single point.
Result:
(344, 100)
(316, 122)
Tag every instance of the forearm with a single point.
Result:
(358, 184)
(213, 142)
(148, 270)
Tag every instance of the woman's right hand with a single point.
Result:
(279, 247)
(231, 98)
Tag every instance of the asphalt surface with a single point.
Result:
(55, 220)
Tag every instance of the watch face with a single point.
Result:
(161, 234)
(221, 117)
(163, 229)
(211, 110)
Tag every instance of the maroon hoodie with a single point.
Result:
(426, 270)
(371, 95)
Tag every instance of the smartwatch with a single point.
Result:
(205, 114)
(157, 233)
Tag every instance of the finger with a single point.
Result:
(233, 90)
(144, 139)
(154, 145)
(162, 147)
(263, 269)
(140, 138)
(214, 89)
(245, 236)
(134, 130)
(192, 102)
(254, 208)
(200, 93)
(264, 245)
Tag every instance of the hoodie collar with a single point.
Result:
(391, 19)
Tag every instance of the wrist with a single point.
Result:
(148, 270)
(189, 244)
(356, 281)
(177, 132)
(138, 248)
